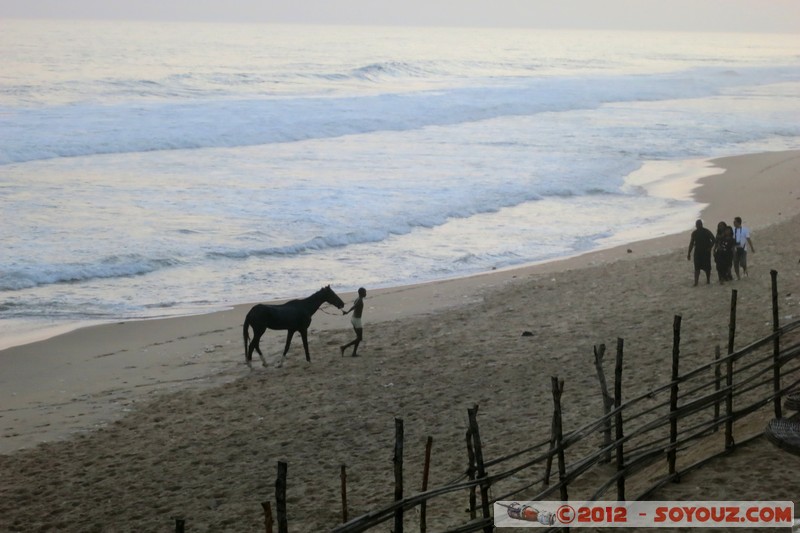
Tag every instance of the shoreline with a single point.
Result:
(689, 178)
(91, 379)
(143, 421)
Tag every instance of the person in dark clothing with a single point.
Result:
(702, 242)
(719, 255)
(725, 248)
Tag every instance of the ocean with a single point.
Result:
(156, 169)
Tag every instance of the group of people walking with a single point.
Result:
(729, 248)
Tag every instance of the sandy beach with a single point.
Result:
(122, 427)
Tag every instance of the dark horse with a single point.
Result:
(294, 315)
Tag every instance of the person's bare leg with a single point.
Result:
(351, 343)
(360, 334)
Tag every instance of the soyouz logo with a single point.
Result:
(746, 514)
(518, 511)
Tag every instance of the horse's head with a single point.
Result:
(332, 298)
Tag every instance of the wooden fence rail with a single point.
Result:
(629, 461)
(657, 435)
(646, 432)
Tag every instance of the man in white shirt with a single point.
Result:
(742, 236)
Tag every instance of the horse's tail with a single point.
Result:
(246, 333)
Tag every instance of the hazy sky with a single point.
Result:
(708, 15)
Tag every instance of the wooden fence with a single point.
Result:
(644, 435)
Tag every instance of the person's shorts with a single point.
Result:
(741, 257)
(702, 262)
(356, 321)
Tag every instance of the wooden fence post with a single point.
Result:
(476, 439)
(732, 321)
(618, 421)
(608, 401)
(398, 473)
(717, 384)
(267, 506)
(423, 507)
(471, 475)
(280, 497)
(558, 389)
(673, 396)
(729, 443)
(343, 479)
(776, 350)
(549, 465)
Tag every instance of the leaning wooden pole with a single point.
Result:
(673, 396)
(618, 436)
(558, 389)
(776, 349)
(280, 497)
(398, 473)
(481, 469)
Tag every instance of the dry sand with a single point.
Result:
(122, 427)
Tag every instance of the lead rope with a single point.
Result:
(321, 308)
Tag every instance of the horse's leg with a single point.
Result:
(254, 345)
(289, 335)
(304, 336)
(246, 335)
(261, 355)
